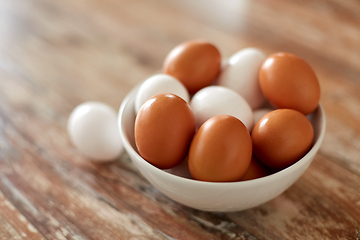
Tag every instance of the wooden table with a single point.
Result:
(55, 55)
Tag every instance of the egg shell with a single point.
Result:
(282, 137)
(287, 81)
(159, 83)
(217, 100)
(256, 170)
(194, 63)
(220, 150)
(93, 129)
(163, 130)
(241, 74)
(259, 113)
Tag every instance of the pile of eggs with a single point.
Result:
(233, 120)
(211, 112)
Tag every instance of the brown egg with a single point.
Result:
(195, 63)
(287, 81)
(220, 151)
(255, 170)
(282, 137)
(164, 128)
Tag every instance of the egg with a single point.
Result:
(194, 63)
(241, 74)
(159, 83)
(163, 130)
(287, 81)
(93, 129)
(217, 100)
(259, 113)
(220, 150)
(282, 137)
(256, 170)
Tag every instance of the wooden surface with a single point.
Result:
(55, 55)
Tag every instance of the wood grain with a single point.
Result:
(56, 54)
(13, 225)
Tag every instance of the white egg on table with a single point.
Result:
(159, 83)
(93, 129)
(217, 100)
(241, 74)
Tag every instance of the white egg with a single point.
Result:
(217, 100)
(259, 113)
(159, 83)
(241, 74)
(93, 129)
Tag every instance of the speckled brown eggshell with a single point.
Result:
(220, 150)
(163, 130)
(194, 63)
(282, 137)
(287, 81)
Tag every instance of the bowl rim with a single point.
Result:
(271, 177)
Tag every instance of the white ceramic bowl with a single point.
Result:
(211, 196)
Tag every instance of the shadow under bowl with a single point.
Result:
(215, 196)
